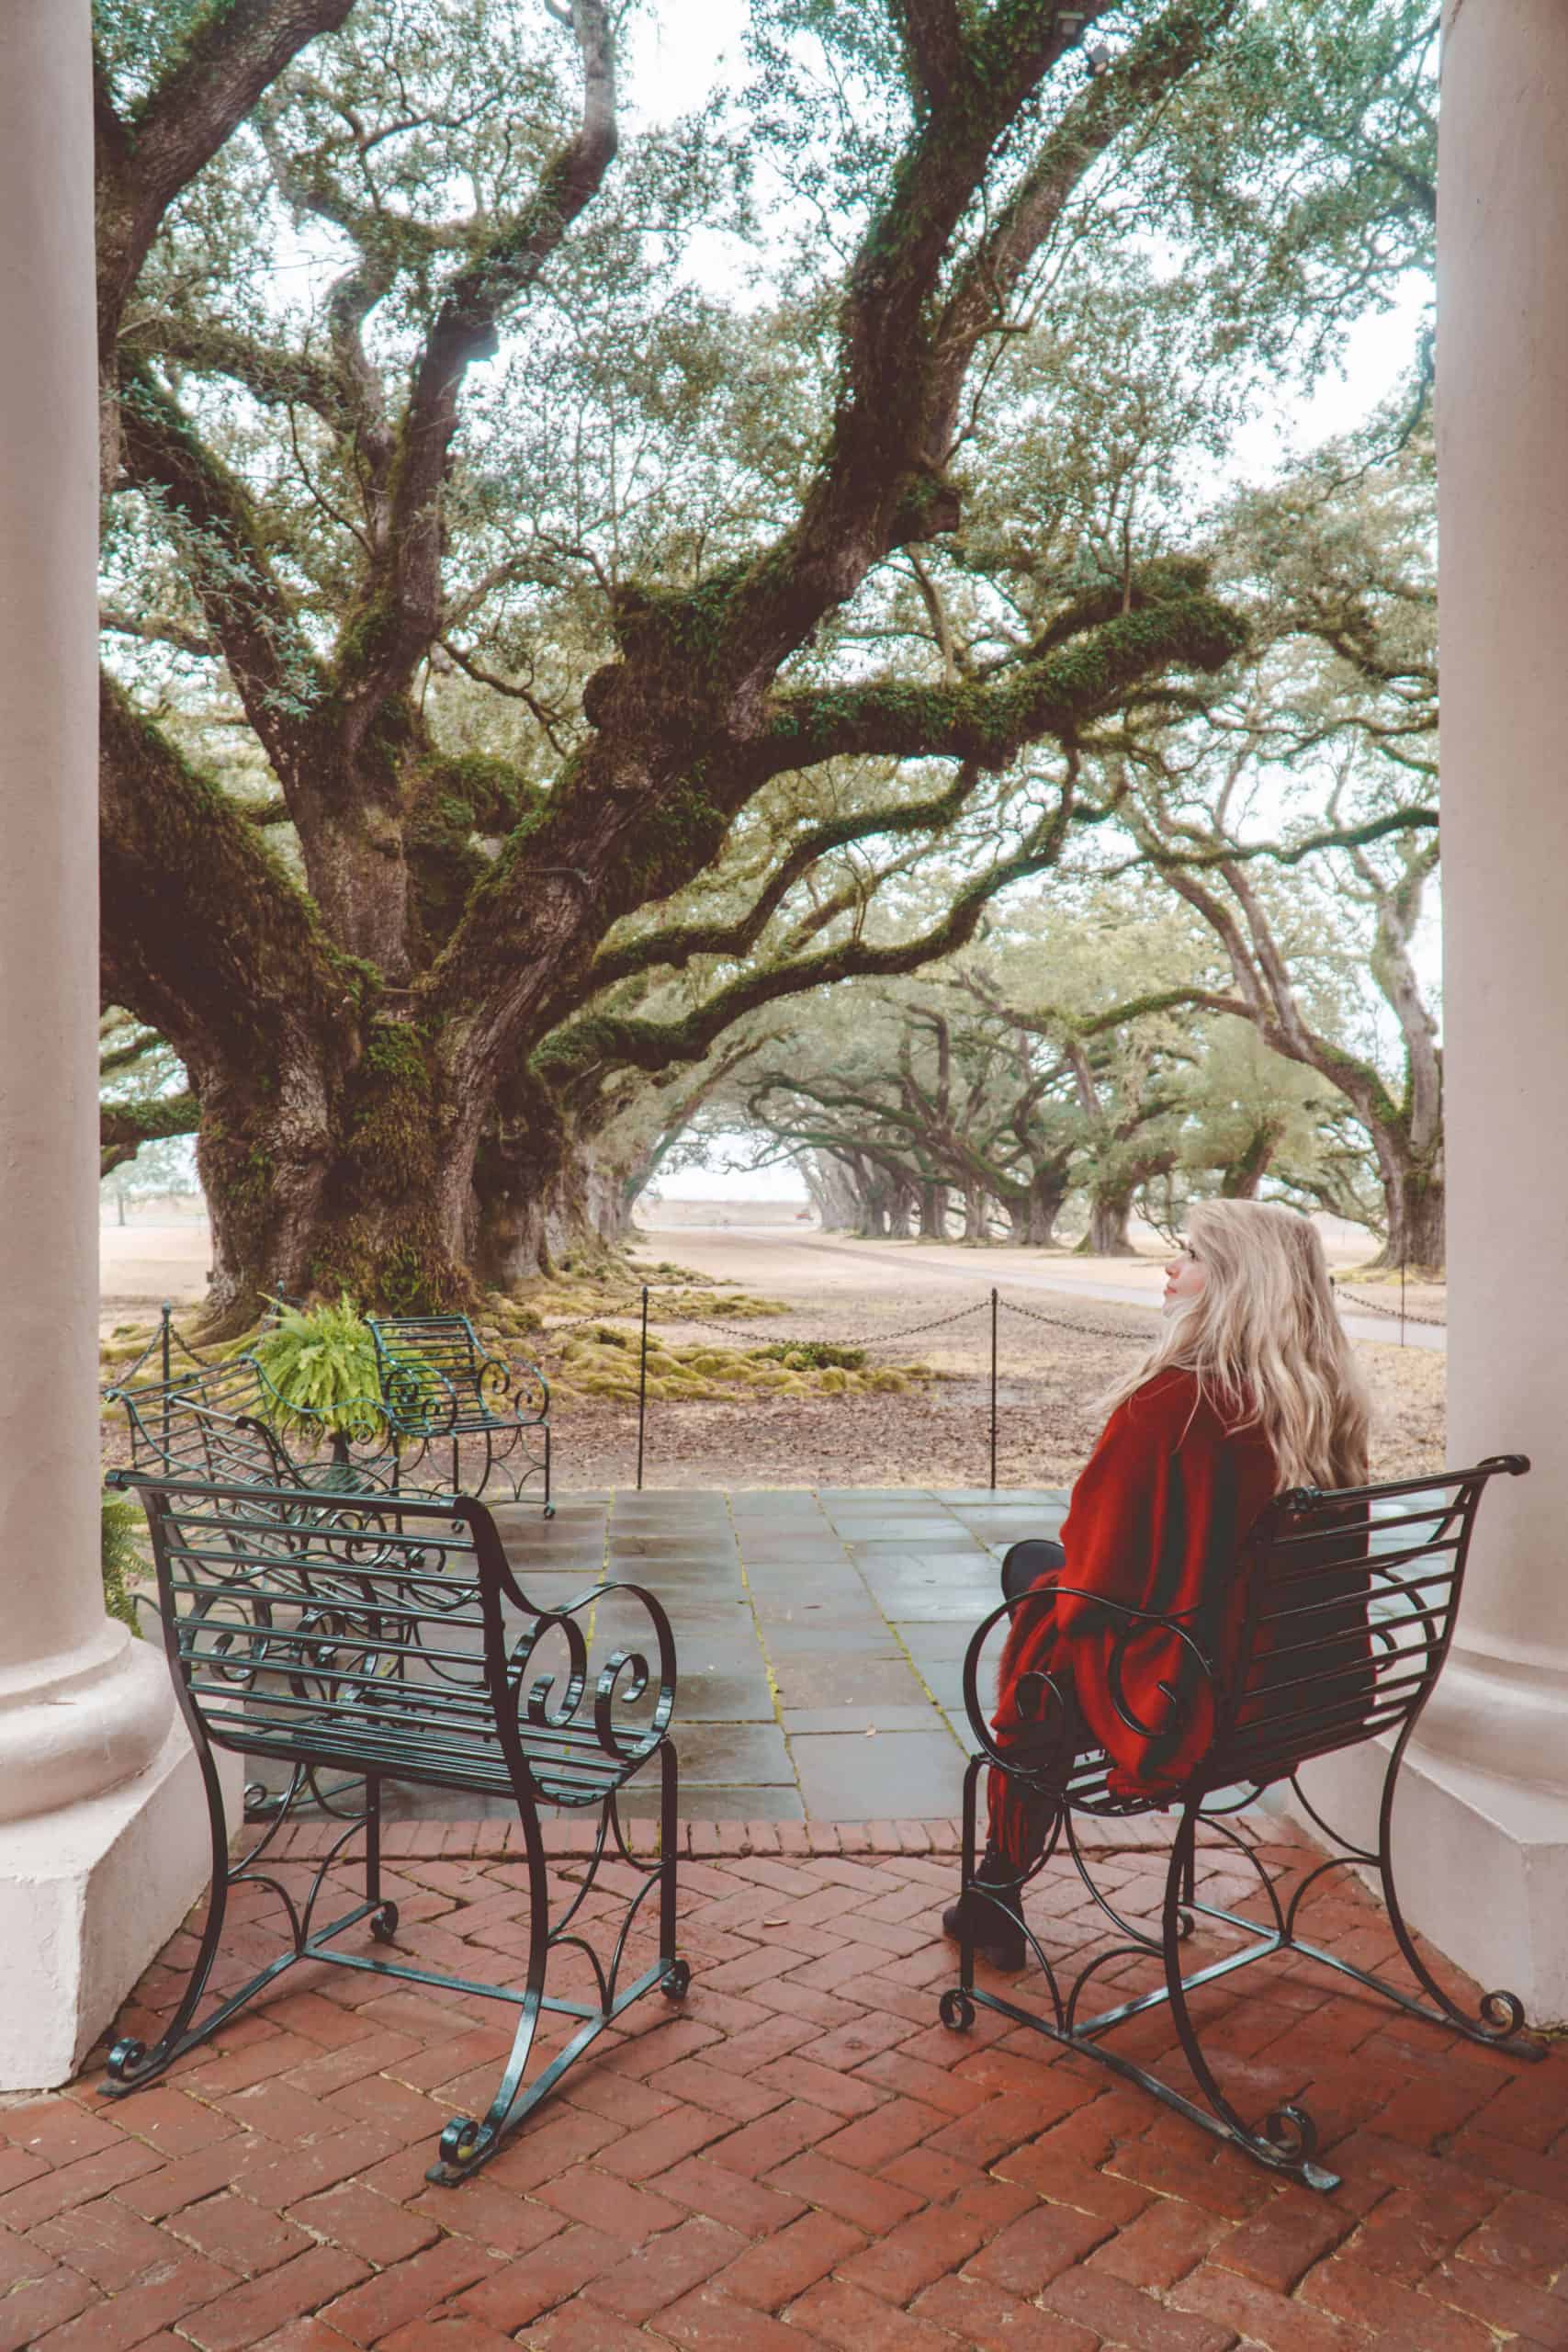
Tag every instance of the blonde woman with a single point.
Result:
(1250, 1389)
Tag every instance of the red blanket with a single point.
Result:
(1157, 1521)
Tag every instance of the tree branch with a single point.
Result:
(654, 1046)
(275, 670)
(237, 50)
(252, 973)
(403, 612)
(989, 720)
(678, 943)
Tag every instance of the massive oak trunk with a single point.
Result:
(1047, 1192)
(1415, 1198)
(933, 1212)
(1108, 1215)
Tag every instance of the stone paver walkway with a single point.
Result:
(804, 1620)
(801, 2157)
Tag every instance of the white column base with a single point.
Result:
(88, 1893)
(1481, 1863)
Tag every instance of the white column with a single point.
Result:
(100, 1839)
(1483, 1818)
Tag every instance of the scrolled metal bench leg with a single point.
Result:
(677, 1972)
(1501, 2017)
(549, 1506)
(130, 2063)
(468, 2142)
(384, 1919)
(1288, 2141)
(956, 2008)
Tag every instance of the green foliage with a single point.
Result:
(122, 1558)
(646, 461)
(322, 1359)
(814, 1355)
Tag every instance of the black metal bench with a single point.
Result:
(386, 1636)
(440, 1386)
(1350, 1601)
(221, 1419)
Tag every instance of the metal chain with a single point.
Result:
(1060, 1323)
(732, 1327)
(859, 1339)
(1397, 1313)
(125, 1373)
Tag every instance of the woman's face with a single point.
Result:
(1184, 1278)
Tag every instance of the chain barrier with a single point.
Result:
(1060, 1322)
(164, 1340)
(732, 1327)
(1395, 1313)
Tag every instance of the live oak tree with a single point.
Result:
(480, 585)
(1012, 1077)
(1322, 747)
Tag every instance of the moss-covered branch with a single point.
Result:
(233, 52)
(123, 1128)
(278, 675)
(600, 1039)
(674, 945)
(989, 720)
(401, 611)
(206, 939)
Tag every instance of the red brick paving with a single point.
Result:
(801, 2157)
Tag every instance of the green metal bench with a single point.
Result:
(1350, 1601)
(440, 1387)
(223, 1419)
(387, 1638)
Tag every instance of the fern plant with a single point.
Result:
(320, 1361)
(122, 1560)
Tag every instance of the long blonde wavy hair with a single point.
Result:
(1265, 1342)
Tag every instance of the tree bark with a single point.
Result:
(1047, 1192)
(832, 1190)
(1416, 1209)
(1107, 1235)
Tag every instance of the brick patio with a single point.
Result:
(802, 2156)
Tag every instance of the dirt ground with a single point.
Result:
(906, 1303)
(1056, 1355)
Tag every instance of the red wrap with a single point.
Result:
(1158, 1520)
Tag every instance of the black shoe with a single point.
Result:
(997, 1939)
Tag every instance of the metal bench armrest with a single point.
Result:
(617, 1680)
(517, 1384)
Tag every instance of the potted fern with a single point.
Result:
(320, 1364)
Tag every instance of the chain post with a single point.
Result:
(1401, 1299)
(993, 1388)
(642, 1388)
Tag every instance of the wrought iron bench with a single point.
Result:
(221, 1420)
(386, 1636)
(440, 1387)
(1350, 1599)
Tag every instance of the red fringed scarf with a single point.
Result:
(1157, 1521)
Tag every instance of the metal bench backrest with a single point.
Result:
(385, 1635)
(332, 1629)
(205, 1423)
(1351, 1602)
(429, 1365)
(1347, 1610)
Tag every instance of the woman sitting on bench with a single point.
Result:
(1251, 1388)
